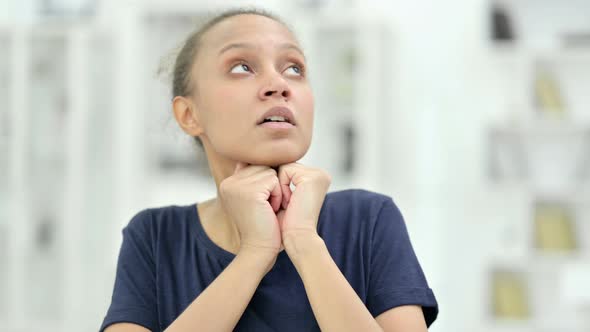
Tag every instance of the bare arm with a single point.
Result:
(220, 306)
(335, 304)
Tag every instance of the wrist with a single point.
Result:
(302, 244)
(261, 259)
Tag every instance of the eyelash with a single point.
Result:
(301, 67)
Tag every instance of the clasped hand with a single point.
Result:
(260, 202)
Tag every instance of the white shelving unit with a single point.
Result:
(544, 155)
(59, 220)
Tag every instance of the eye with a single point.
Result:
(240, 68)
(297, 69)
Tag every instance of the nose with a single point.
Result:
(276, 87)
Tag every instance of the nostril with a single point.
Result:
(284, 93)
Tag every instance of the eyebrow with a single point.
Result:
(252, 46)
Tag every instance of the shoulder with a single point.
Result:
(353, 210)
(355, 201)
(153, 220)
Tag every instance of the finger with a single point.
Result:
(257, 175)
(276, 196)
(285, 176)
(280, 219)
(246, 170)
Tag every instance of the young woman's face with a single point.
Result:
(246, 66)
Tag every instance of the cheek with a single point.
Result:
(226, 119)
(224, 105)
(307, 105)
(231, 99)
(226, 95)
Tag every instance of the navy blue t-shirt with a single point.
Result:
(167, 259)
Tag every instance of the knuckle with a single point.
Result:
(226, 186)
(275, 180)
(223, 190)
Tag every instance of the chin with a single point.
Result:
(275, 157)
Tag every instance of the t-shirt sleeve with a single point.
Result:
(134, 294)
(396, 277)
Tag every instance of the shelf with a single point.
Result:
(543, 24)
(544, 293)
(540, 151)
(558, 75)
(513, 50)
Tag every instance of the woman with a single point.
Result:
(259, 256)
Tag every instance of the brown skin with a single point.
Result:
(229, 98)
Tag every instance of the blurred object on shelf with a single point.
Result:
(343, 74)
(348, 133)
(502, 27)
(554, 227)
(506, 157)
(45, 233)
(48, 116)
(49, 108)
(510, 298)
(538, 24)
(576, 40)
(548, 98)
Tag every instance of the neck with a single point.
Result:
(220, 228)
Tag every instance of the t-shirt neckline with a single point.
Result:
(203, 238)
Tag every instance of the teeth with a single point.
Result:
(276, 118)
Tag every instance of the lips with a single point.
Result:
(280, 112)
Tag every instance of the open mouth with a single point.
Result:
(276, 122)
(276, 119)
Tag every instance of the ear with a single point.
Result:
(186, 115)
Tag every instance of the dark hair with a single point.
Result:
(181, 74)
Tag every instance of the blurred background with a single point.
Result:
(474, 115)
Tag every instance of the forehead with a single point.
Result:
(256, 29)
